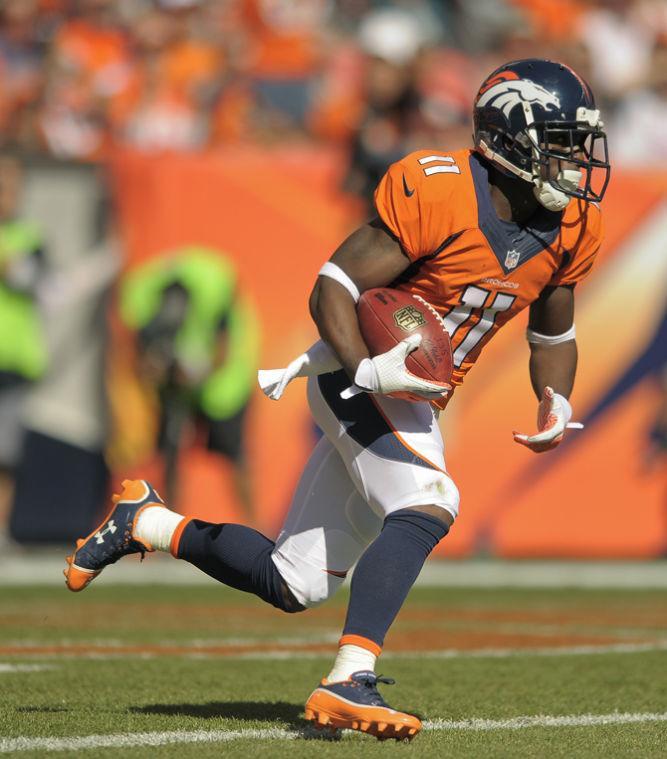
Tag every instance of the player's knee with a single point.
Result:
(273, 588)
(424, 526)
(305, 578)
(310, 594)
(444, 499)
(289, 603)
(439, 513)
(451, 496)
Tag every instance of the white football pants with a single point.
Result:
(378, 455)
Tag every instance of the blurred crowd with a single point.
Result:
(79, 77)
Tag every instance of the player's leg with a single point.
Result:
(327, 529)
(394, 453)
(386, 572)
(233, 554)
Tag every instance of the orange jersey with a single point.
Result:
(475, 269)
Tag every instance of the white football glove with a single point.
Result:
(553, 418)
(318, 359)
(387, 374)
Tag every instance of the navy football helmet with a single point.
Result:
(537, 120)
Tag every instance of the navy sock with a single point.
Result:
(237, 556)
(387, 570)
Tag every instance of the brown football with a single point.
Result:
(387, 316)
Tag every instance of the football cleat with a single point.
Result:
(355, 704)
(114, 538)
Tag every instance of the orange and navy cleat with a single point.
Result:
(114, 538)
(355, 704)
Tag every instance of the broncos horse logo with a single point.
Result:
(507, 94)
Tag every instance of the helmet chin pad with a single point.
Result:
(550, 196)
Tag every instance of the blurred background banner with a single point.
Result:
(63, 415)
(253, 132)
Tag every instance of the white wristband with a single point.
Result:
(333, 271)
(366, 376)
(564, 405)
(539, 339)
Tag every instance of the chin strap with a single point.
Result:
(550, 196)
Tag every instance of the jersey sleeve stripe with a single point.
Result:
(431, 158)
(442, 170)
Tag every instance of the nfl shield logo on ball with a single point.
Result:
(512, 259)
(409, 318)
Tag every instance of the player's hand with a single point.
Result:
(274, 381)
(318, 359)
(553, 418)
(387, 374)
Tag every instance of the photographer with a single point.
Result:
(197, 341)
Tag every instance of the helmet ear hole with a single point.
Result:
(523, 141)
(508, 142)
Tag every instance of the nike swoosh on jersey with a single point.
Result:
(408, 192)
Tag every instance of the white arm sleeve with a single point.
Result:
(333, 271)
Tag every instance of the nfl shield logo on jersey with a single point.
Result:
(512, 259)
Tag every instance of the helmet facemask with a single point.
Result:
(569, 160)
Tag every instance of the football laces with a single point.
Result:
(432, 310)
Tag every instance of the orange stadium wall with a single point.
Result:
(279, 214)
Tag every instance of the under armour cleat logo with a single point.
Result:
(110, 528)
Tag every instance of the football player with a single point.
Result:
(479, 233)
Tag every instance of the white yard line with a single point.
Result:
(482, 653)
(131, 740)
(332, 635)
(194, 643)
(44, 567)
(118, 652)
(6, 668)
(546, 720)
(505, 653)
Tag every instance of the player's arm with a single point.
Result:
(370, 257)
(553, 348)
(553, 364)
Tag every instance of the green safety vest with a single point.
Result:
(22, 344)
(210, 279)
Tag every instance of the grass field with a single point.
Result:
(130, 671)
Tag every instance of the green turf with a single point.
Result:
(131, 694)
